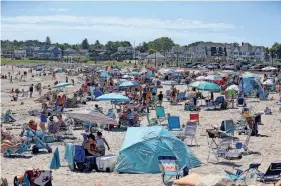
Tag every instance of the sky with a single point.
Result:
(258, 23)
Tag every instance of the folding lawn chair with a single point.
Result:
(160, 114)
(243, 174)
(228, 127)
(151, 122)
(174, 123)
(218, 102)
(222, 150)
(169, 168)
(189, 132)
(273, 173)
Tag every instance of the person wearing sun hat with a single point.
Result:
(32, 124)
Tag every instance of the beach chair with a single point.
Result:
(111, 114)
(7, 117)
(241, 175)
(151, 122)
(218, 102)
(273, 173)
(34, 177)
(169, 168)
(241, 102)
(174, 123)
(160, 114)
(228, 128)
(82, 162)
(189, 132)
(16, 150)
(223, 150)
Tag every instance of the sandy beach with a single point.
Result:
(268, 144)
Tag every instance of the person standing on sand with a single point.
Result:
(43, 117)
(11, 79)
(31, 90)
(100, 143)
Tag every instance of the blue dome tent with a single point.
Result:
(250, 84)
(143, 145)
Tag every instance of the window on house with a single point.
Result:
(240, 53)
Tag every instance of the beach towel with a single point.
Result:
(69, 154)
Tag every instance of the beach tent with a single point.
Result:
(250, 84)
(143, 145)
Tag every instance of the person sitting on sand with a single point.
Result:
(267, 111)
(100, 143)
(61, 125)
(90, 146)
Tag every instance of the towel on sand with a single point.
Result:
(69, 154)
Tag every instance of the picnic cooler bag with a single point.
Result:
(106, 163)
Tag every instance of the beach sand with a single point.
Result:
(268, 145)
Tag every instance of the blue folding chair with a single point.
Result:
(228, 127)
(174, 123)
(242, 174)
(160, 114)
(169, 168)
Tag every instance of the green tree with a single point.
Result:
(151, 51)
(275, 50)
(143, 47)
(85, 44)
(48, 40)
(162, 44)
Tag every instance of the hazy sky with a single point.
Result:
(256, 22)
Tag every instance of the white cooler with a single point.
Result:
(106, 163)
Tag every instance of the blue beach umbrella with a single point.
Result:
(112, 97)
(55, 163)
(129, 84)
(207, 86)
(62, 85)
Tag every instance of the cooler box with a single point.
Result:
(106, 163)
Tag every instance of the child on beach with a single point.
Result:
(100, 143)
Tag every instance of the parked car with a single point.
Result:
(257, 67)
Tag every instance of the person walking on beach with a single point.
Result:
(100, 143)
(174, 95)
(11, 79)
(160, 98)
(31, 90)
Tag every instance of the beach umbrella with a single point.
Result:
(224, 75)
(170, 83)
(212, 73)
(269, 68)
(200, 78)
(112, 97)
(62, 85)
(134, 73)
(126, 77)
(250, 75)
(104, 74)
(268, 82)
(213, 77)
(232, 87)
(196, 84)
(129, 84)
(227, 71)
(207, 86)
(55, 163)
(91, 116)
